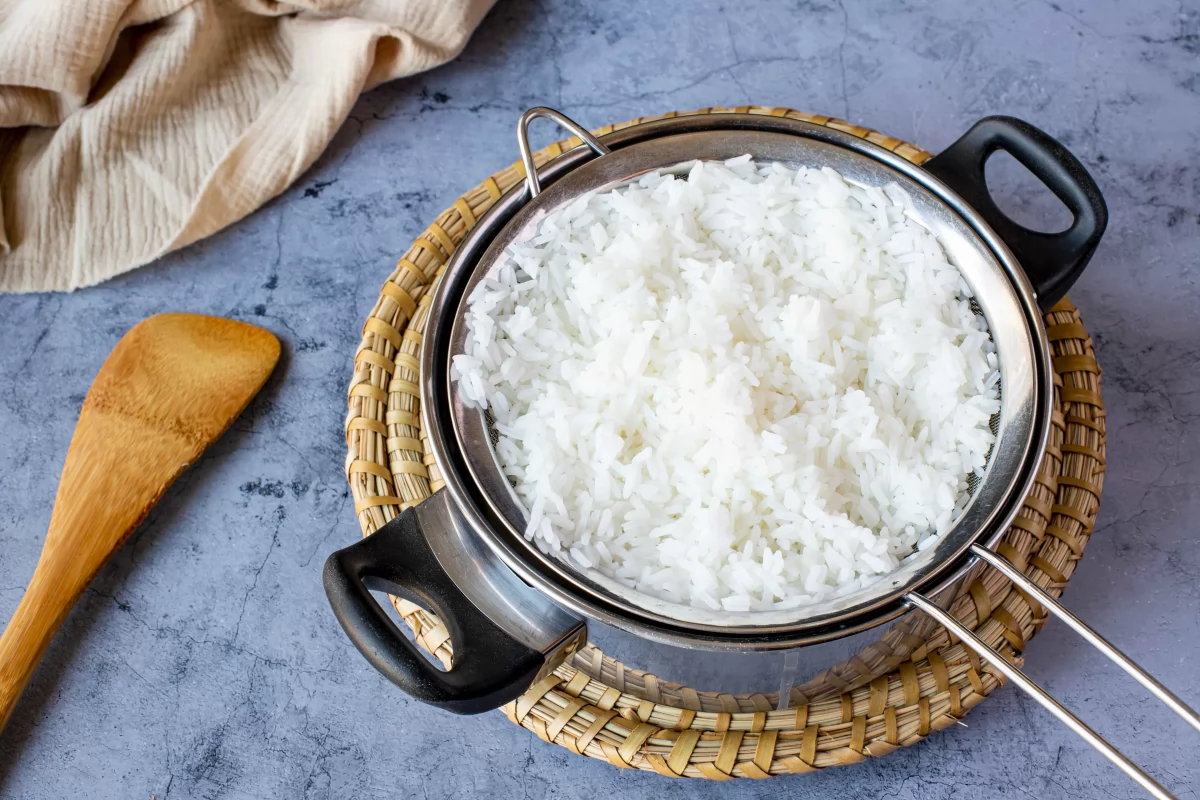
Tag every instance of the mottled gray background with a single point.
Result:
(204, 662)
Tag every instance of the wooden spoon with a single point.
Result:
(168, 390)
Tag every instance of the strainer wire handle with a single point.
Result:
(1009, 671)
(541, 112)
(1096, 640)
(1039, 694)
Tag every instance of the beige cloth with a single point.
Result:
(130, 128)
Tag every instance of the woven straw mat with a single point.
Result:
(597, 707)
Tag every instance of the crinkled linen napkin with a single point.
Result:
(130, 128)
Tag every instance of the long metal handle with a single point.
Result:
(1114, 655)
(531, 176)
(1039, 694)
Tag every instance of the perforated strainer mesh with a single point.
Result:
(468, 442)
(993, 423)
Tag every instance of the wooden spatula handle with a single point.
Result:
(45, 605)
(102, 497)
(171, 386)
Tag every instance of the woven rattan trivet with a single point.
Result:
(596, 706)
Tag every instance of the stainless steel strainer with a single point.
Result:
(1020, 426)
(511, 609)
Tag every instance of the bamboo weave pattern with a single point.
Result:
(594, 705)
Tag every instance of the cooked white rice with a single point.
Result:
(743, 388)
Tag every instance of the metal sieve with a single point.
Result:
(511, 609)
(1023, 373)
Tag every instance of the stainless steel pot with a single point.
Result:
(512, 610)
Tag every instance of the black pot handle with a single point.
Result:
(1052, 261)
(490, 666)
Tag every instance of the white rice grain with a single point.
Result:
(744, 388)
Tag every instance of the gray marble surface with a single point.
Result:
(204, 661)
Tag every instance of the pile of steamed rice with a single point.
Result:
(746, 387)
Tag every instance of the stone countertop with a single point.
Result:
(204, 661)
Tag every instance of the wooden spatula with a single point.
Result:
(168, 390)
